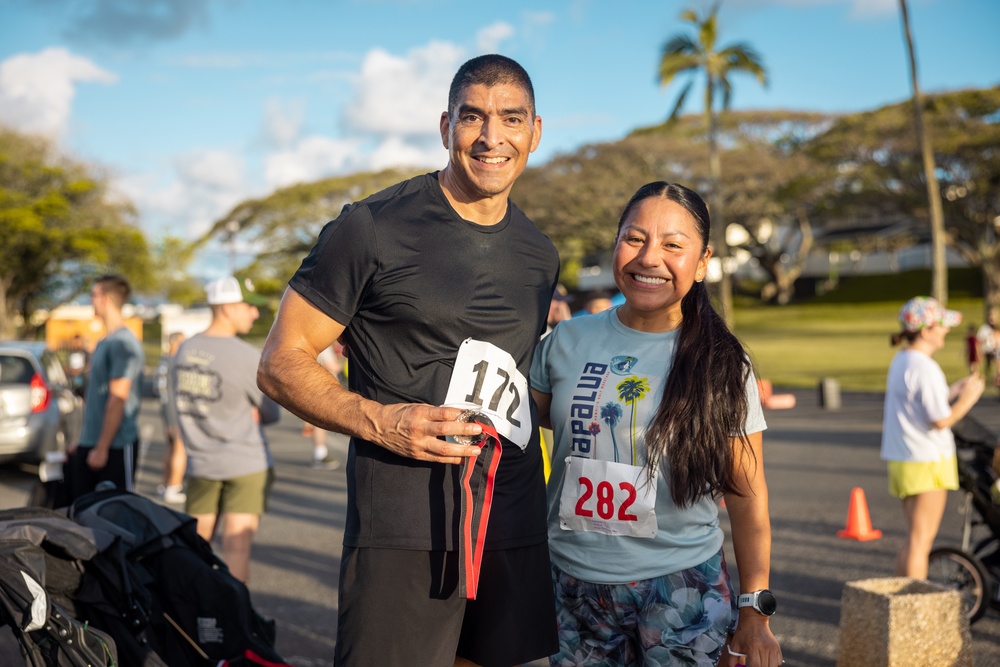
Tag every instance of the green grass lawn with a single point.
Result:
(796, 345)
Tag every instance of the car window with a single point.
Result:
(54, 369)
(15, 369)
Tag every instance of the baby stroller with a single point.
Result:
(974, 569)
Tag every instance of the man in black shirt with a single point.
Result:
(440, 287)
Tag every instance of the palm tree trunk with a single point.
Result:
(939, 287)
(720, 248)
(632, 429)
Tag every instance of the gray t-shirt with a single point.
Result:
(214, 391)
(119, 355)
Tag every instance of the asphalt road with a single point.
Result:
(814, 457)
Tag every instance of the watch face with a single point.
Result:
(766, 603)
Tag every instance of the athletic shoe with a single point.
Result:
(328, 462)
(173, 495)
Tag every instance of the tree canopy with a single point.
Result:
(283, 226)
(880, 170)
(60, 226)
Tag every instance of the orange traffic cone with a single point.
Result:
(859, 524)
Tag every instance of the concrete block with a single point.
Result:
(829, 394)
(902, 622)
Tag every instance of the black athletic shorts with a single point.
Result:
(120, 470)
(400, 608)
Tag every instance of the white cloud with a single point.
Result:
(395, 152)
(212, 170)
(534, 24)
(283, 121)
(310, 159)
(488, 39)
(37, 89)
(403, 96)
(538, 19)
(204, 186)
(392, 121)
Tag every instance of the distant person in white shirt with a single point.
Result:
(917, 442)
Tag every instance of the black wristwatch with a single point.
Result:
(763, 601)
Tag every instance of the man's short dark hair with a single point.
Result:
(489, 70)
(115, 286)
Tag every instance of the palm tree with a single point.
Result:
(683, 54)
(611, 413)
(632, 390)
(939, 279)
(594, 429)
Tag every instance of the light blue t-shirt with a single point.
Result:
(606, 382)
(118, 355)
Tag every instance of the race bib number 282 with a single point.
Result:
(486, 379)
(607, 497)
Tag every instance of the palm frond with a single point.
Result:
(680, 45)
(743, 58)
(680, 102)
(708, 31)
(672, 66)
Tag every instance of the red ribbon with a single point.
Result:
(478, 476)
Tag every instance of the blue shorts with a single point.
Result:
(677, 619)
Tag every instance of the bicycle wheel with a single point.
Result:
(956, 569)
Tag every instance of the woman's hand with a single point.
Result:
(752, 644)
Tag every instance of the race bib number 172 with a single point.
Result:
(486, 378)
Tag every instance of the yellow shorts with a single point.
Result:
(908, 478)
(240, 495)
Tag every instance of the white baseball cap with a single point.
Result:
(230, 290)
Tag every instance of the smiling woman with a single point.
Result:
(633, 493)
(658, 257)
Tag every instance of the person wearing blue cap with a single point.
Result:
(917, 442)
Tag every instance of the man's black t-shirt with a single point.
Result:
(411, 280)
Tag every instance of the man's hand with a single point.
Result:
(97, 458)
(412, 430)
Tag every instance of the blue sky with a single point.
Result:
(195, 105)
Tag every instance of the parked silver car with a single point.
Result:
(39, 413)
